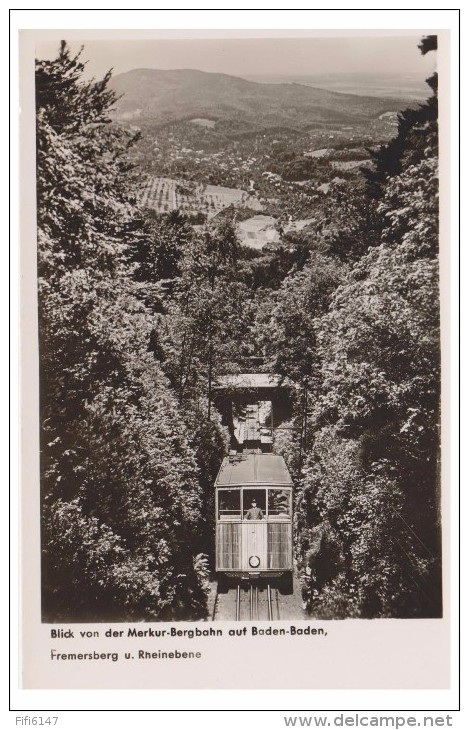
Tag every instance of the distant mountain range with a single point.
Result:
(156, 97)
(410, 86)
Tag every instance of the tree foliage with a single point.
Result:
(120, 491)
(417, 134)
(289, 333)
(139, 314)
(367, 518)
(209, 314)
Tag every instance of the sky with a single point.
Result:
(392, 54)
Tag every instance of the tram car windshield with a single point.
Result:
(235, 504)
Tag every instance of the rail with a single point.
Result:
(253, 603)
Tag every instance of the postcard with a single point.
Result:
(234, 287)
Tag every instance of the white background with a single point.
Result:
(35, 702)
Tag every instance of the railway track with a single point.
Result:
(248, 603)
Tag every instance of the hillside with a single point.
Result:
(150, 96)
(410, 86)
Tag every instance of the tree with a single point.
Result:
(286, 327)
(120, 493)
(161, 246)
(417, 131)
(371, 479)
(368, 514)
(209, 316)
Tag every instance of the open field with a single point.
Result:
(165, 194)
(351, 164)
(208, 123)
(319, 153)
(258, 231)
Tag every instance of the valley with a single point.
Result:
(211, 143)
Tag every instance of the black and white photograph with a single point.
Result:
(239, 329)
(238, 268)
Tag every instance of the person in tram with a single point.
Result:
(254, 512)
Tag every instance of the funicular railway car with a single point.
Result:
(253, 502)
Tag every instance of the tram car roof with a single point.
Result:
(252, 381)
(244, 469)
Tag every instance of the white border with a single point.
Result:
(309, 702)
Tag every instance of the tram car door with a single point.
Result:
(253, 530)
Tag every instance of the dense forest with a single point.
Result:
(139, 313)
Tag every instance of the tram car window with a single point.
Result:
(251, 497)
(229, 504)
(279, 503)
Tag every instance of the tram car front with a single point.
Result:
(253, 502)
